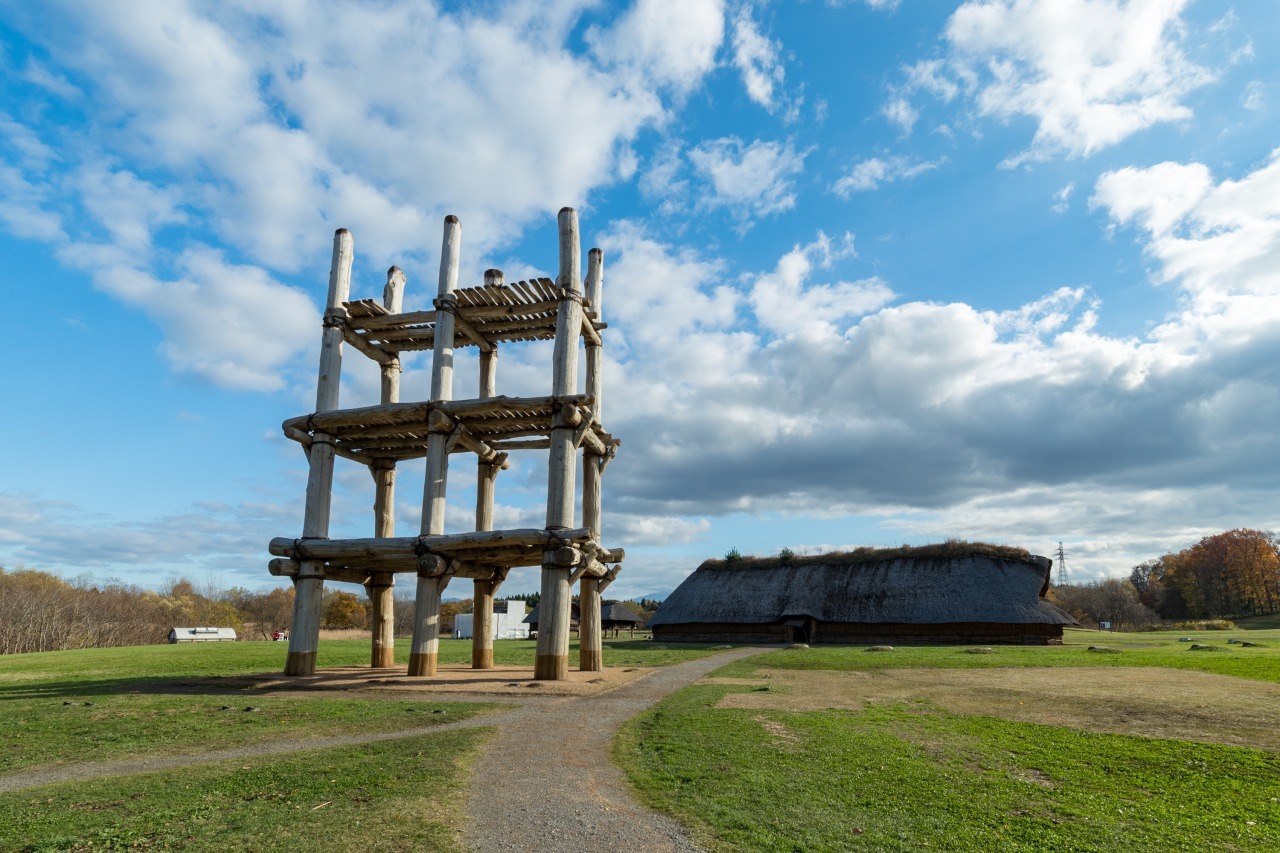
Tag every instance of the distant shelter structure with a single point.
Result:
(202, 635)
(489, 426)
(942, 594)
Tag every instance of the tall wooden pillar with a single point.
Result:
(382, 584)
(304, 633)
(483, 590)
(426, 621)
(551, 661)
(591, 643)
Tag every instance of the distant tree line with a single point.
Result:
(1230, 574)
(41, 612)
(1236, 573)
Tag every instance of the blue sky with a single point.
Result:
(876, 272)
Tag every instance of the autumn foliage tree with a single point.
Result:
(41, 612)
(1236, 573)
(345, 610)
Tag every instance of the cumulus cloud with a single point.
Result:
(257, 135)
(1217, 241)
(62, 537)
(230, 324)
(786, 302)
(1089, 73)
(674, 43)
(825, 398)
(871, 173)
(752, 180)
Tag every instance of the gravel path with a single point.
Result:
(546, 784)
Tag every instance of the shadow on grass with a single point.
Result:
(203, 685)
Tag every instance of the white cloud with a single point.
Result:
(753, 180)
(24, 208)
(1090, 73)
(1062, 198)
(673, 43)
(230, 324)
(653, 530)
(869, 174)
(64, 538)
(52, 82)
(1218, 241)
(659, 297)
(661, 180)
(261, 133)
(819, 397)
(757, 59)
(900, 111)
(787, 303)
(1255, 96)
(888, 5)
(127, 208)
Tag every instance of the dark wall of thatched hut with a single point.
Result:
(912, 596)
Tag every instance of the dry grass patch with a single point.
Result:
(1149, 702)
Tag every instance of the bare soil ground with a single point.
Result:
(452, 678)
(1149, 702)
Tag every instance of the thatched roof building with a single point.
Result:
(575, 616)
(614, 615)
(953, 593)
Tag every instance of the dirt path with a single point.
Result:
(546, 783)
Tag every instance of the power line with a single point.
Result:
(1062, 565)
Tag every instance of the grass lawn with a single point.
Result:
(1259, 623)
(47, 731)
(392, 795)
(99, 704)
(839, 748)
(911, 776)
(90, 670)
(1156, 648)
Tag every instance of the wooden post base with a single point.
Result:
(482, 658)
(423, 663)
(384, 657)
(551, 667)
(300, 663)
(590, 660)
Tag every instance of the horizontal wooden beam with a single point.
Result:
(408, 546)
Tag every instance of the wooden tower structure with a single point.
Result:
(489, 427)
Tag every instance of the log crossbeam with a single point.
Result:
(397, 431)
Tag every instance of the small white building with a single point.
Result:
(508, 622)
(202, 635)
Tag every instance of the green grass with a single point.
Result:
(392, 795)
(911, 776)
(1160, 649)
(90, 670)
(1259, 623)
(141, 705)
(46, 731)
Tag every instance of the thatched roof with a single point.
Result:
(902, 587)
(532, 618)
(619, 612)
(614, 612)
